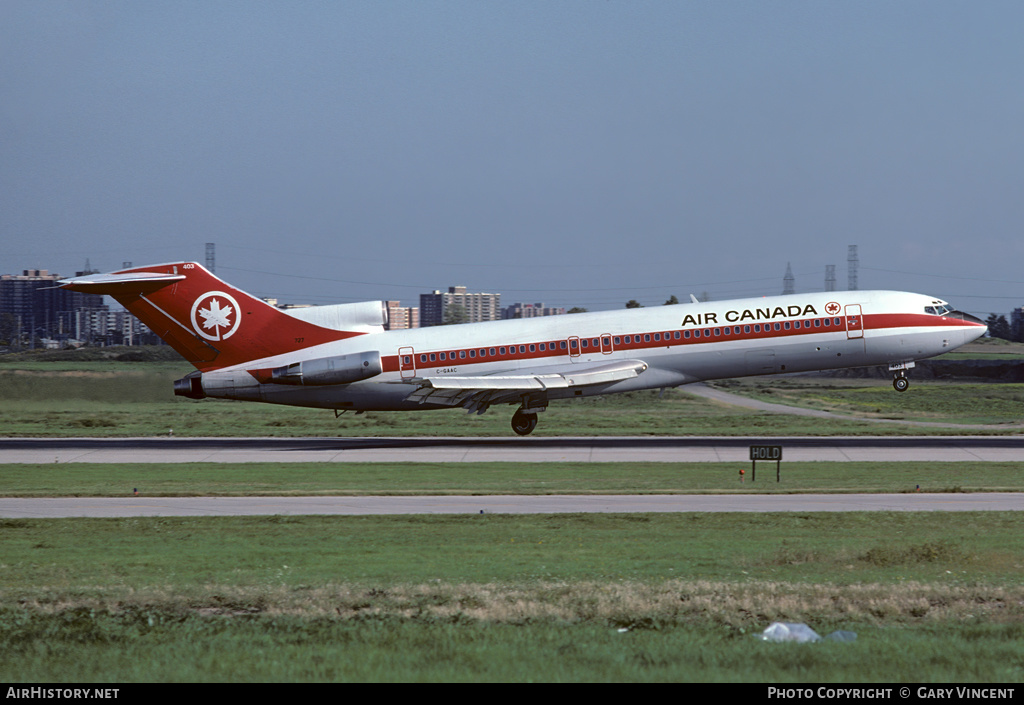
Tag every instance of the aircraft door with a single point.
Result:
(607, 348)
(407, 362)
(854, 322)
(574, 347)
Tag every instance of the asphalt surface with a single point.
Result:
(60, 507)
(512, 449)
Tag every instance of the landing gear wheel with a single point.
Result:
(522, 423)
(901, 384)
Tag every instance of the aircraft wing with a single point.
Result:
(476, 393)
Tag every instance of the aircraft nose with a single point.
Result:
(975, 326)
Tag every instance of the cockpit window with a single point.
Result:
(940, 310)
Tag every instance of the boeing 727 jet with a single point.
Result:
(340, 357)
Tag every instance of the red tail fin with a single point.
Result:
(211, 323)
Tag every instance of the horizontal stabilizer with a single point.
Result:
(121, 282)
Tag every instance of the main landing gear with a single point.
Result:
(525, 418)
(523, 423)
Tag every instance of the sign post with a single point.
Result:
(765, 453)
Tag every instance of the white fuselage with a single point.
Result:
(680, 344)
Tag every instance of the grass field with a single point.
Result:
(307, 479)
(548, 598)
(136, 399)
(933, 597)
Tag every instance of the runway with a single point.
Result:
(966, 449)
(63, 507)
(480, 450)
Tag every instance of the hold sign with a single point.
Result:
(765, 453)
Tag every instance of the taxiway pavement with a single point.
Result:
(64, 507)
(479, 450)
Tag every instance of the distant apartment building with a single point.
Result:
(458, 306)
(521, 310)
(118, 327)
(34, 307)
(401, 316)
(1017, 324)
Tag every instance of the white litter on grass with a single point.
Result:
(790, 631)
(801, 633)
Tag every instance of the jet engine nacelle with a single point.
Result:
(340, 369)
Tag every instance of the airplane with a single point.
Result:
(340, 356)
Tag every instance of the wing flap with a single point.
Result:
(477, 392)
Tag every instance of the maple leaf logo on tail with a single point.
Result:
(215, 315)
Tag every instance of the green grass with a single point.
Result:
(932, 402)
(136, 399)
(934, 597)
(154, 646)
(248, 479)
(499, 597)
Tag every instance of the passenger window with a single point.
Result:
(718, 331)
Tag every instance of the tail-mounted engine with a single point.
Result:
(340, 369)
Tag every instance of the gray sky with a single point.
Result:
(575, 153)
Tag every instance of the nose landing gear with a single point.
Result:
(899, 378)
